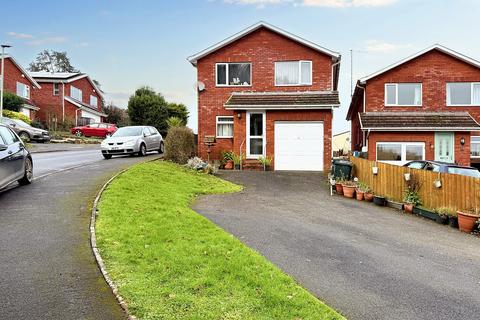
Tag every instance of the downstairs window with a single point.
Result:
(400, 152)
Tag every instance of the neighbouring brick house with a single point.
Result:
(71, 98)
(425, 107)
(267, 92)
(18, 81)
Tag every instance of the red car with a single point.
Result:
(102, 130)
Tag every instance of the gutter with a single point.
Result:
(334, 88)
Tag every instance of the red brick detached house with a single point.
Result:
(267, 92)
(68, 97)
(425, 107)
(18, 81)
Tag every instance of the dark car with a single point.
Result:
(15, 161)
(101, 130)
(25, 131)
(444, 167)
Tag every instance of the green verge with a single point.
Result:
(171, 263)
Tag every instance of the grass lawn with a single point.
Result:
(171, 263)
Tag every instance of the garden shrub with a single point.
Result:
(16, 115)
(179, 144)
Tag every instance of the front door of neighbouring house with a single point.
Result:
(444, 146)
(255, 134)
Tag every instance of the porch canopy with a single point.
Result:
(282, 100)
(418, 121)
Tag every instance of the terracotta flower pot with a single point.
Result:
(229, 165)
(348, 191)
(408, 207)
(368, 196)
(339, 188)
(467, 221)
(360, 195)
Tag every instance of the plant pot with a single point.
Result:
(267, 167)
(368, 196)
(408, 208)
(348, 191)
(425, 213)
(379, 201)
(229, 165)
(441, 219)
(453, 222)
(467, 221)
(339, 188)
(375, 170)
(237, 167)
(360, 195)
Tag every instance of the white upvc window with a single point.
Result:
(75, 93)
(463, 94)
(233, 74)
(93, 101)
(23, 90)
(400, 152)
(224, 127)
(403, 94)
(475, 146)
(56, 89)
(293, 73)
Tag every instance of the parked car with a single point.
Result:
(25, 131)
(133, 140)
(15, 161)
(101, 130)
(444, 167)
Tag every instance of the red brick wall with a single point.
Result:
(261, 48)
(14, 75)
(462, 153)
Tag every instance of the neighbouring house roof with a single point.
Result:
(341, 133)
(64, 77)
(418, 121)
(194, 58)
(84, 106)
(24, 72)
(283, 100)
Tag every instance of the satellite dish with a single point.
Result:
(200, 86)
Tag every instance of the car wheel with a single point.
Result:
(78, 133)
(24, 136)
(143, 150)
(107, 156)
(28, 174)
(162, 148)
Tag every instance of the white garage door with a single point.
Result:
(94, 117)
(299, 145)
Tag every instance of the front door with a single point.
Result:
(255, 134)
(444, 146)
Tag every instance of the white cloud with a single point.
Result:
(384, 47)
(46, 40)
(347, 3)
(19, 35)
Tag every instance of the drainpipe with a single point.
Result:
(365, 143)
(63, 103)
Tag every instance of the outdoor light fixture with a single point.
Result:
(462, 141)
(239, 115)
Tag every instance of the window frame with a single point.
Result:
(26, 90)
(56, 88)
(299, 83)
(223, 122)
(249, 137)
(226, 74)
(81, 93)
(96, 100)
(403, 152)
(471, 142)
(396, 95)
(447, 95)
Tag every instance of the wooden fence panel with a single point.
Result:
(457, 192)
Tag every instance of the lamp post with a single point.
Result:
(2, 78)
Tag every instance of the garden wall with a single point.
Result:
(457, 192)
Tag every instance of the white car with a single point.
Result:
(133, 140)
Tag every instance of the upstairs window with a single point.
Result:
(56, 89)
(75, 93)
(463, 94)
(293, 73)
(23, 90)
(93, 101)
(224, 127)
(403, 94)
(233, 74)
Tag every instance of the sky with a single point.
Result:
(126, 44)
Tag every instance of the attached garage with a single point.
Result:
(299, 145)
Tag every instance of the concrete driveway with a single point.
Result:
(367, 262)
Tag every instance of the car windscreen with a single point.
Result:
(464, 171)
(128, 132)
(21, 123)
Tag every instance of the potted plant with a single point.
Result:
(442, 215)
(379, 200)
(338, 185)
(349, 188)
(467, 219)
(236, 160)
(265, 162)
(360, 191)
(411, 197)
(368, 195)
(227, 160)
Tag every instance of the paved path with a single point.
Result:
(47, 270)
(367, 262)
(56, 147)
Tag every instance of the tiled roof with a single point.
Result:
(418, 121)
(283, 100)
